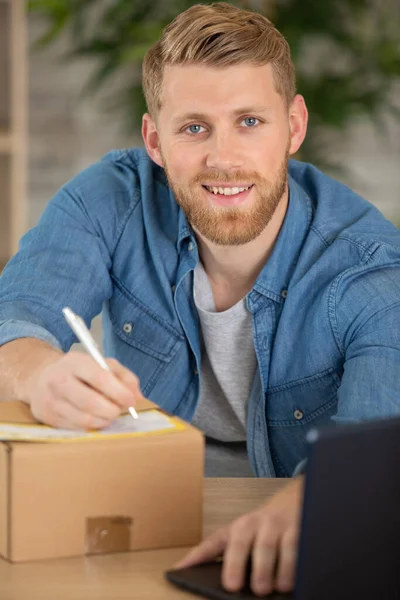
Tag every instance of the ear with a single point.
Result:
(151, 139)
(298, 119)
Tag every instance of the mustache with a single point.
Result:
(224, 177)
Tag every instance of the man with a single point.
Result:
(254, 303)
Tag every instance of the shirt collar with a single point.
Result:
(184, 229)
(274, 279)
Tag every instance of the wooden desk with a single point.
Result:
(133, 575)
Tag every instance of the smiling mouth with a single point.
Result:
(227, 191)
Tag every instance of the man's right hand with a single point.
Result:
(73, 392)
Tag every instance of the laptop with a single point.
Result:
(350, 529)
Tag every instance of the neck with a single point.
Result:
(239, 266)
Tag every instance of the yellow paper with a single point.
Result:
(150, 422)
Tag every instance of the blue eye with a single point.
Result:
(250, 121)
(194, 129)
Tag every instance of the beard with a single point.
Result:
(236, 225)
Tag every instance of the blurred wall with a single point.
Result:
(67, 132)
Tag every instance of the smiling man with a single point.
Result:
(226, 162)
(248, 293)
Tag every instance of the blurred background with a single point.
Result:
(70, 91)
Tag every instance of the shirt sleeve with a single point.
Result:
(364, 309)
(366, 321)
(13, 330)
(64, 261)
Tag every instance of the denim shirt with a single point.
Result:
(325, 307)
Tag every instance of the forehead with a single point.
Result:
(200, 87)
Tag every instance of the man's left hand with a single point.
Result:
(269, 535)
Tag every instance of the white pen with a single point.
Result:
(83, 334)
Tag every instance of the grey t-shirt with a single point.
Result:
(228, 366)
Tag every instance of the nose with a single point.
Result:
(223, 152)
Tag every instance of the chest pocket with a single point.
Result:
(295, 408)
(151, 342)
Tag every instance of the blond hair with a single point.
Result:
(218, 35)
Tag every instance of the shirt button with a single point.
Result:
(298, 414)
(196, 372)
(127, 327)
(284, 293)
(190, 246)
(173, 288)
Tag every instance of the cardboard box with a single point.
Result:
(99, 496)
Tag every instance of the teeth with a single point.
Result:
(227, 191)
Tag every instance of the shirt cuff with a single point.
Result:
(14, 329)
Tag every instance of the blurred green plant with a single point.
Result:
(346, 52)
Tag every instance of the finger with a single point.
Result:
(237, 552)
(86, 399)
(128, 378)
(102, 381)
(265, 553)
(209, 549)
(287, 561)
(67, 416)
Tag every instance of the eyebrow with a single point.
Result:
(197, 116)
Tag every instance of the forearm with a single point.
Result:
(19, 361)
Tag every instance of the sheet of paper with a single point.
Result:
(151, 421)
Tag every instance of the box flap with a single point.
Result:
(19, 412)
